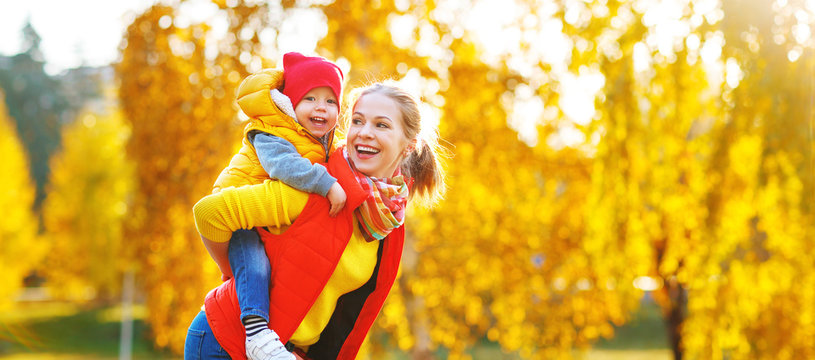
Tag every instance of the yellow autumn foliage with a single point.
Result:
(86, 203)
(687, 163)
(21, 248)
(178, 103)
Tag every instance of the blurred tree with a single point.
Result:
(697, 171)
(757, 301)
(35, 101)
(84, 210)
(360, 32)
(178, 102)
(83, 85)
(501, 256)
(668, 191)
(647, 197)
(482, 263)
(22, 250)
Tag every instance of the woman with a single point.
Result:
(330, 276)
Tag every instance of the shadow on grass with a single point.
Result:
(645, 331)
(85, 331)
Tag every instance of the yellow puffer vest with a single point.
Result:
(265, 116)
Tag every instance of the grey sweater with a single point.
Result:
(282, 161)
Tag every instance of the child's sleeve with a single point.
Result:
(282, 161)
(271, 203)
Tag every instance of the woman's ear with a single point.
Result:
(411, 146)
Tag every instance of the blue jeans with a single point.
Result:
(252, 272)
(201, 343)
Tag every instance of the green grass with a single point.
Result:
(645, 331)
(59, 331)
(67, 331)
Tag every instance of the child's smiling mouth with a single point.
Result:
(319, 122)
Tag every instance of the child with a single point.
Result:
(288, 131)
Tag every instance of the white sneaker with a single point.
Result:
(266, 345)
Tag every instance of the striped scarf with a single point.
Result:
(384, 208)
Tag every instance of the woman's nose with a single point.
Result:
(366, 131)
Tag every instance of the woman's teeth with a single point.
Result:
(366, 149)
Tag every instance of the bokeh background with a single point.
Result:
(640, 169)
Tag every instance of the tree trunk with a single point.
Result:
(421, 350)
(675, 314)
(415, 307)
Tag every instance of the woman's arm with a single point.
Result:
(217, 216)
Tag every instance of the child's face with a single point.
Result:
(317, 111)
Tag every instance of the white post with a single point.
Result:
(126, 339)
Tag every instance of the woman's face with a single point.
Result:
(376, 137)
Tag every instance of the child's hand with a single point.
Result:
(336, 196)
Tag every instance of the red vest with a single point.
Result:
(302, 260)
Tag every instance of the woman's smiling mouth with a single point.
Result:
(365, 152)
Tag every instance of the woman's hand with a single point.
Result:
(336, 196)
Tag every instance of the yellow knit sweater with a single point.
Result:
(273, 203)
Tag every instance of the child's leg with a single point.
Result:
(252, 273)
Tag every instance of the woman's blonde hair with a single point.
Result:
(423, 163)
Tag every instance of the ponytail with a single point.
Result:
(424, 165)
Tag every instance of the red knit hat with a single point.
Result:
(303, 73)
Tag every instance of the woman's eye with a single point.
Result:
(356, 121)
(383, 125)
